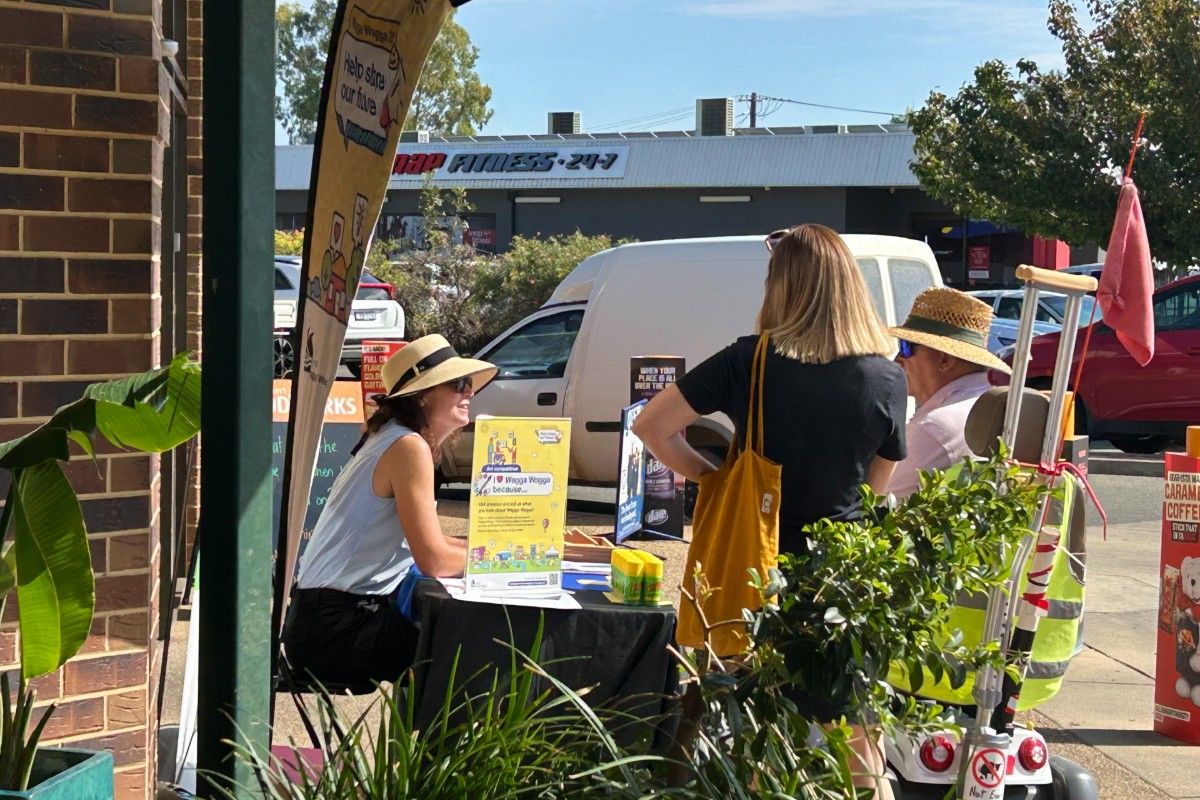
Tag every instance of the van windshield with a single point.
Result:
(539, 349)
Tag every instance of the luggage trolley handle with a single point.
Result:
(1075, 287)
(1036, 280)
(990, 688)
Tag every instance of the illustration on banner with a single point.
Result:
(368, 99)
(518, 504)
(333, 289)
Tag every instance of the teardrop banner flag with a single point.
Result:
(377, 49)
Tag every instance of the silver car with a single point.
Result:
(1006, 310)
(373, 315)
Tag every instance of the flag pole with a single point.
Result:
(1137, 137)
(1087, 337)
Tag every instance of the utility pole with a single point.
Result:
(753, 109)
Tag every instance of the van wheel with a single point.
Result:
(691, 490)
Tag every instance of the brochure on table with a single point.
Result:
(518, 507)
(631, 483)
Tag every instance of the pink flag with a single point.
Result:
(1127, 282)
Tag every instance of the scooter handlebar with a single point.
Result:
(1052, 279)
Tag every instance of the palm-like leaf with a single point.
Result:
(55, 587)
(151, 412)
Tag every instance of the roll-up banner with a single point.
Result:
(377, 49)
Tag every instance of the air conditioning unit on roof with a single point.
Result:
(714, 116)
(562, 122)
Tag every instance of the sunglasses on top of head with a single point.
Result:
(907, 348)
(461, 385)
(775, 237)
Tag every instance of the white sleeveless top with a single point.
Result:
(358, 545)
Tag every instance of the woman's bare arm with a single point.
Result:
(405, 472)
(879, 473)
(661, 426)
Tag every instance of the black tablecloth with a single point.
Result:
(620, 651)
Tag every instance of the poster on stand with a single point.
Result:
(374, 355)
(631, 475)
(518, 506)
(1177, 669)
(377, 49)
(662, 508)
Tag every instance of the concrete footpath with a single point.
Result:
(1103, 717)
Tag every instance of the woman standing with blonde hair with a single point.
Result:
(833, 408)
(834, 402)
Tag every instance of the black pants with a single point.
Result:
(347, 638)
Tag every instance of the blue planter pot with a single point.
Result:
(69, 775)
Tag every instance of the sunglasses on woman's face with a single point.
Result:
(461, 385)
(773, 238)
(907, 349)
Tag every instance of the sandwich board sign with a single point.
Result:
(662, 507)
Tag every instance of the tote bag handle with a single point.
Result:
(754, 411)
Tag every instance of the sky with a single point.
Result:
(641, 64)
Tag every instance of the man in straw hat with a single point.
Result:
(944, 354)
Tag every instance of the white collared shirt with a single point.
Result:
(935, 432)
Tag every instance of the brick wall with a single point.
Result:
(82, 129)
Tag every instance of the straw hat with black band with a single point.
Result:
(428, 362)
(952, 322)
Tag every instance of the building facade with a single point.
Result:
(100, 170)
(678, 184)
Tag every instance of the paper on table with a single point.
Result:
(587, 566)
(454, 587)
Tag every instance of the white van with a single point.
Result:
(684, 297)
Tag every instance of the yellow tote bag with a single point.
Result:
(735, 527)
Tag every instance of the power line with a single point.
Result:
(647, 119)
(746, 98)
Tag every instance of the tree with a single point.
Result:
(450, 98)
(301, 49)
(517, 282)
(1044, 150)
(436, 284)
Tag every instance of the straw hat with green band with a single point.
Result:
(952, 322)
(424, 363)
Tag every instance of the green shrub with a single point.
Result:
(289, 243)
(517, 282)
(879, 592)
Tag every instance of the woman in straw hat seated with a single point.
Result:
(944, 354)
(344, 624)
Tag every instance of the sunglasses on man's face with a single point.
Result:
(774, 238)
(907, 349)
(461, 385)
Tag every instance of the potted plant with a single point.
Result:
(45, 558)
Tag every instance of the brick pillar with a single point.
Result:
(82, 130)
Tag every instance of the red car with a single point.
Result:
(1138, 409)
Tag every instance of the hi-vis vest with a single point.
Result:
(1059, 634)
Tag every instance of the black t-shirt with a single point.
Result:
(823, 424)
